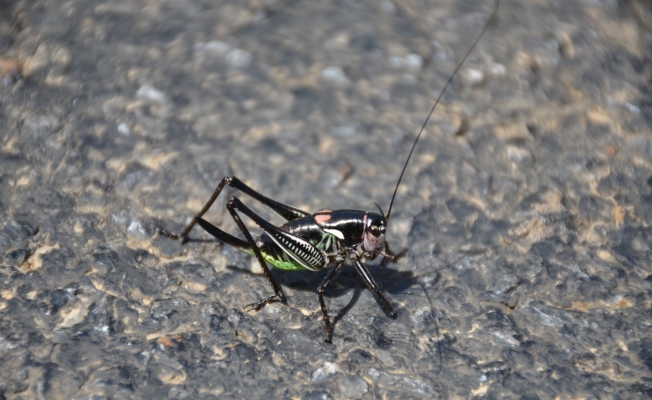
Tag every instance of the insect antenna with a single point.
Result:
(486, 26)
(380, 209)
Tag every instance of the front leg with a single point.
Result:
(372, 285)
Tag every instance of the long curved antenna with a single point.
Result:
(380, 209)
(486, 26)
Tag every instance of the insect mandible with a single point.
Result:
(315, 242)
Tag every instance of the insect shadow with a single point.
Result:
(390, 280)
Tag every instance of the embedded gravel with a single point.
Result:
(523, 219)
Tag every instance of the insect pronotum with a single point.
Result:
(315, 242)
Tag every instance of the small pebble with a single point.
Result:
(41, 125)
(411, 63)
(324, 372)
(36, 62)
(8, 66)
(238, 58)
(335, 76)
(344, 131)
(150, 93)
(472, 77)
(496, 71)
(123, 129)
(214, 47)
(353, 386)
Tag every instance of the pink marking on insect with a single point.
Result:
(322, 217)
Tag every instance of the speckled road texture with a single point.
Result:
(524, 215)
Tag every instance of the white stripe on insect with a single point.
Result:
(335, 233)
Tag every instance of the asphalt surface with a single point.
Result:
(523, 220)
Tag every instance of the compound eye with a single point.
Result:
(375, 231)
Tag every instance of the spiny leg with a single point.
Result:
(232, 205)
(330, 276)
(221, 235)
(184, 234)
(372, 285)
(287, 212)
(388, 252)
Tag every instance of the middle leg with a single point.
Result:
(232, 206)
(330, 276)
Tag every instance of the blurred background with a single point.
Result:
(523, 217)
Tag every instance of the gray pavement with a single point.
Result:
(524, 216)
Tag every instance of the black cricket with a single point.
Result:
(314, 242)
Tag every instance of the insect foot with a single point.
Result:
(257, 306)
(163, 232)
